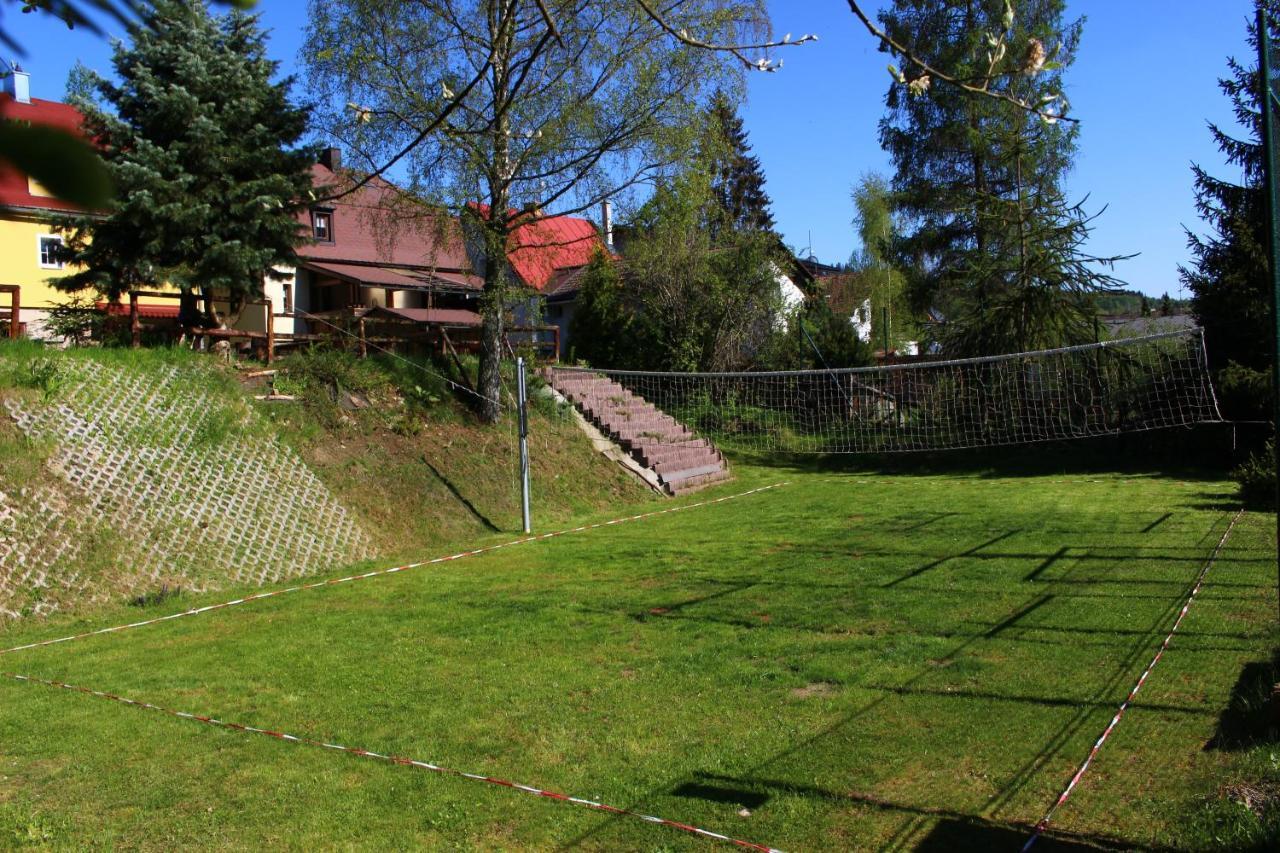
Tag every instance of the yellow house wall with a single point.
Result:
(20, 261)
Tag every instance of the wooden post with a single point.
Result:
(555, 336)
(364, 346)
(271, 332)
(15, 305)
(462, 371)
(135, 323)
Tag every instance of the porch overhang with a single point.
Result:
(447, 317)
(420, 279)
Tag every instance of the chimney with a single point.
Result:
(331, 158)
(606, 223)
(18, 84)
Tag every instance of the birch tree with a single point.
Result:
(508, 111)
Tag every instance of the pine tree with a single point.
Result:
(1230, 276)
(738, 179)
(992, 241)
(200, 144)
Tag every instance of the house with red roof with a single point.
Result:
(30, 217)
(28, 212)
(367, 245)
(371, 245)
(549, 255)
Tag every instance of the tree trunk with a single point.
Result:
(489, 382)
(501, 22)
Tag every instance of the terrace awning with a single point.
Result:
(397, 278)
(146, 310)
(429, 316)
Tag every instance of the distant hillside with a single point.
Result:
(1129, 303)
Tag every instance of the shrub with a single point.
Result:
(1257, 477)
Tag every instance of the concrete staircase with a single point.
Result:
(682, 461)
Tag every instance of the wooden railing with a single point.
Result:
(345, 324)
(15, 308)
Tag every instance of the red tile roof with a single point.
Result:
(15, 191)
(540, 248)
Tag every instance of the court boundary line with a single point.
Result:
(398, 761)
(1044, 822)
(195, 611)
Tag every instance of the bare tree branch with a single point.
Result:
(422, 135)
(551, 24)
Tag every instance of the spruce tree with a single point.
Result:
(738, 179)
(201, 144)
(1230, 275)
(991, 239)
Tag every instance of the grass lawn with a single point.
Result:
(857, 660)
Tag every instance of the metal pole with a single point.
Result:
(1272, 170)
(884, 321)
(522, 398)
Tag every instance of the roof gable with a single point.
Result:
(15, 188)
(381, 224)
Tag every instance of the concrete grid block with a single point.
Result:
(248, 510)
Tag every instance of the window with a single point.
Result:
(322, 225)
(49, 247)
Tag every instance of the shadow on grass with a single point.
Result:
(1201, 454)
(720, 794)
(967, 833)
(943, 829)
(1250, 718)
(929, 828)
(461, 498)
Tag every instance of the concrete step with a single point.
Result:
(648, 449)
(681, 460)
(695, 482)
(664, 433)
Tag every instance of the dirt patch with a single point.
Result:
(1261, 798)
(815, 688)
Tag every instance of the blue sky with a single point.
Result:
(1144, 84)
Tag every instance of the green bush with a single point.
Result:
(1257, 477)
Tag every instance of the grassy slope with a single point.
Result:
(862, 659)
(418, 469)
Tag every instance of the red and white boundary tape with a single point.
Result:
(404, 762)
(1106, 733)
(380, 572)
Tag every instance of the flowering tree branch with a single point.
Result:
(1033, 63)
(738, 50)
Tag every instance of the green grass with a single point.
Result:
(861, 659)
